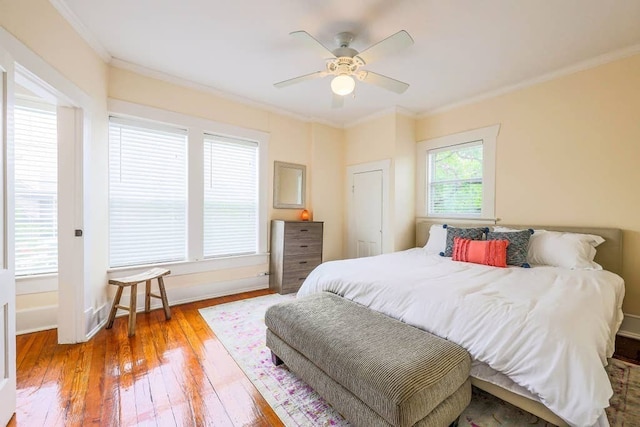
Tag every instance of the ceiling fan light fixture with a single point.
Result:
(343, 85)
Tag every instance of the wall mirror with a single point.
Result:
(289, 184)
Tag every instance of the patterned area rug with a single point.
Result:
(240, 327)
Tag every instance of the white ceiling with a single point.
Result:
(463, 48)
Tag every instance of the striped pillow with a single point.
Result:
(487, 252)
(465, 233)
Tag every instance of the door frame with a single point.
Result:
(47, 82)
(386, 239)
(8, 379)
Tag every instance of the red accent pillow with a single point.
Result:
(487, 252)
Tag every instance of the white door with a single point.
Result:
(366, 213)
(7, 276)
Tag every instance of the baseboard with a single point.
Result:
(177, 296)
(630, 327)
(46, 317)
(36, 319)
(95, 320)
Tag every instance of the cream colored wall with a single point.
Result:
(38, 25)
(389, 137)
(567, 154)
(370, 141)
(405, 183)
(327, 186)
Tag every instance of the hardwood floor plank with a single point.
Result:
(230, 383)
(92, 407)
(172, 372)
(206, 406)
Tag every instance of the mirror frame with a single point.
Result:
(277, 170)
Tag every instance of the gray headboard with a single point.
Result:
(608, 255)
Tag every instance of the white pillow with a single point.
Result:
(437, 239)
(561, 249)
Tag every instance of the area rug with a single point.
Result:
(240, 327)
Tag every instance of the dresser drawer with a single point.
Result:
(302, 247)
(301, 262)
(291, 281)
(302, 230)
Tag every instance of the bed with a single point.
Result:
(539, 337)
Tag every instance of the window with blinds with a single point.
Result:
(455, 180)
(147, 193)
(230, 196)
(36, 189)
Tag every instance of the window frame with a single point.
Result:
(197, 129)
(488, 135)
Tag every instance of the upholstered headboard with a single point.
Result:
(608, 255)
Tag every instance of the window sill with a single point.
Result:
(191, 267)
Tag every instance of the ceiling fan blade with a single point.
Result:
(311, 76)
(383, 81)
(391, 44)
(309, 41)
(337, 101)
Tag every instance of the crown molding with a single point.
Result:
(80, 28)
(580, 66)
(168, 78)
(382, 113)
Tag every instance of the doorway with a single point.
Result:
(367, 209)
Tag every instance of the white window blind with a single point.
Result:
(455, 180)
(147, 193)
(230, 196)
(36, 190)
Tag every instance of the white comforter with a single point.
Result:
(548, 329)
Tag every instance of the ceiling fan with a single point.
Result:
(344, 63)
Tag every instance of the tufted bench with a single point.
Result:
(374, 370)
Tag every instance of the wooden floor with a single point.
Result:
(170, 373)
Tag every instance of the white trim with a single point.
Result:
(159, 75)
(36, 69)
(177, 296)
(73, 20)
(44, 318)
(630, 327)
(197, 127)
(387, 235)
(36, 319)
(489, 137)
(192, 267)
(580, 66)
(36, 284)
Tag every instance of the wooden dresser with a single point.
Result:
(296, 249)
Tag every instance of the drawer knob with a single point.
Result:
(303, 262)
(301, 278)
(304, 229)
(304, 246)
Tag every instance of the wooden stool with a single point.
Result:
(147, 276)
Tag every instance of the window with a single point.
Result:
(147, 193)
(230, 196)
(193, 193)
(455, 180)
(36, 189)
(456, 175)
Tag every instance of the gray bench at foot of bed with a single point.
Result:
(374, 370)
